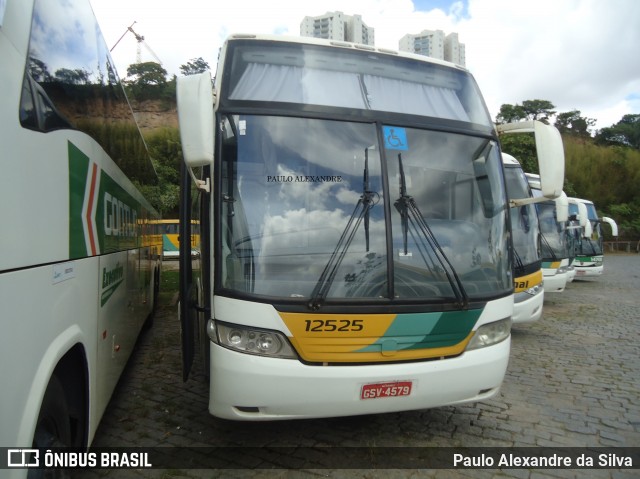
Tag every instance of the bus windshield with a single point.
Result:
(524, 221)
(312, 204)
(554, 236)
(589, 245)
(339, 77)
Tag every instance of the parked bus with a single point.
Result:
(589, 259)
(553, 216)
(528, 287)
(79, 272)
(168, 232)
(355, 237)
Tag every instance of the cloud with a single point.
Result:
(578, 54)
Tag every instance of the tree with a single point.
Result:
(538, 110)
(146, 80)
(626, 133)
(194, 66)
(571, 122)
(147, 73)
(166, 152)
(510, 113)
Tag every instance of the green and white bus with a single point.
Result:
(589, 255)
(552, 217)
(79, 271)
(527, 282)
(356, 252)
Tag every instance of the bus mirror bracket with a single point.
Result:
(195, 98)
(203, 185)
(550, 152)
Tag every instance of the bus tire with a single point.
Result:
(53, 428)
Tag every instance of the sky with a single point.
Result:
(578, 54)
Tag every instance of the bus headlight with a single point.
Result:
(249, 340)
(534, 289)
(490, 334)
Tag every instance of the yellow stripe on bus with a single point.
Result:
(523, 283)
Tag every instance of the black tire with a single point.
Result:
(53, 428)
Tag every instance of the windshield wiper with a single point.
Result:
(410, 213)
(367, 200)
(548, 247)
(519, 264)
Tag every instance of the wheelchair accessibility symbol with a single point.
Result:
(395, 138)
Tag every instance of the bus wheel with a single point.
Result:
(53, 428)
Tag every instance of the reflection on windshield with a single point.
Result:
(554, 236)
(303, 213)
(582, 245)
(456, 184)
(524, 221)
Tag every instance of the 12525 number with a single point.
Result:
(329, 325)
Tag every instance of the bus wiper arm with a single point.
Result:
(549, 248)
(367, 200)
(519, 263)
(409, 212)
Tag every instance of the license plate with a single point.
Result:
(386, 390)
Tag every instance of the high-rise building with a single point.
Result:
(338, 26)
(434, 43)
(454, 51)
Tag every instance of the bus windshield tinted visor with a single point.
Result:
(354, 79)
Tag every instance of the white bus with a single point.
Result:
(356, 252)
(589, 256)
(79, 271)
(553, 217)
(528, 286)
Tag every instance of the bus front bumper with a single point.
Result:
(527, 308)
(252, 388)
(555, 283)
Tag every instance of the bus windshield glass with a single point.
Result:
(315, 208)
(524, 220)
(594, 244)
(350, 78)
(554, 236)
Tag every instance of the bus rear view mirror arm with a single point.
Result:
(550, 153)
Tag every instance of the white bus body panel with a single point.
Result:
(589, 269)
(527, 308)
(50, 303)
(554, 282)
(37, 332)
(289, 389)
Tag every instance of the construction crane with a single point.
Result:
(141, 42)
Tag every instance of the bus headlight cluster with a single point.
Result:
(534, 289)
(490, 334)
(252, 341)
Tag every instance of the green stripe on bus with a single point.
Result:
(78, 171)
(428, 330)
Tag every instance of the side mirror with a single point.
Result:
(611, 222)
(562, 208)
(583, 217)
(550, 153)
(195, 97)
